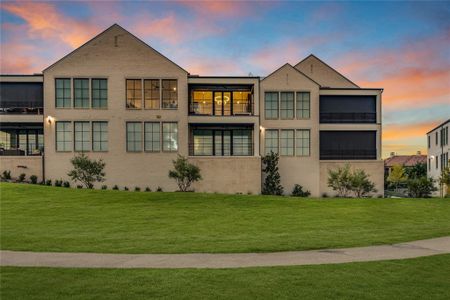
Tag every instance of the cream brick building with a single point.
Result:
(437, 154)
(118, 99)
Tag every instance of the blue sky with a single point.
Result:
(400, 46)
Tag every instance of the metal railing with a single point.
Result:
(348, 154)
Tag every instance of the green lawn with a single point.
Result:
(420, 278)
(40, 218)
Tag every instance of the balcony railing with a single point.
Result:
(348, 154)
(32, 108)
(229, 149)
(348, 117)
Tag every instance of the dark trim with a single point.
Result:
(440, 125)
(353, 89)
(312, 55)
(237, 77)
(21, 75)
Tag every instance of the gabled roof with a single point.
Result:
(328, 66)
(115, 25)
(405, 160)
(291, 66)
(440, 125)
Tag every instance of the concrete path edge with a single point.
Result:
(232, 260)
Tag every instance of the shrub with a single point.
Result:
(272, 185)
(421, 187)
(147, 189)
(115, 187)
(58, 182)
(137, 189)
(159, 189)
(417, 171)
(185, 173)
(324, 195)
(79, 186)
(48, 182)
(22, 177)
(104, 187)
(297, 191)
(6, 175)
(360, 183)
(33, 179)
(397, 176)
(125, 188)
(340, 180)
(87, 171)
(66, 184)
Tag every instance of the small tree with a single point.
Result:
(87, 171)
(272, 184)
(421, 187)
(360, 183)
(185, 173)
(340, 180)
(444, 179)
(397, 176)
(417, 171)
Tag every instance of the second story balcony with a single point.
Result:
(21, 98)
(214, 100)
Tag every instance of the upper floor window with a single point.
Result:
(81, 93)
(169, 93)
(271, 105)
(348, 109)
(134, 93)
(429, 142)
(170, 136)
(302, 142)
(82, 136)
(99, 93)
(152, 93)
(303, 105)
(63, 136)
(100, 136)
(242, 102)
(134, 136)
(287, 105)
(202, 102)
(63, 92)
(271, 141)
(437, 137)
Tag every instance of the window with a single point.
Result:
(271, 105)
(170, 137)
(287, 142)
(203, 142)
(152, 136)
(169, 93)
(81, 93)
(63, 92)
(242, 142)
(429, 142)
(437, 137)
(302, 142)
(134, 93)
(152, 93)
(99, 93)
(100, 136)
(303, 105)
(343, 145)
(429, 164)
(437, 161)
(286, 105)
(271, 141)
(134, 136)
(202, 102)
(348, 109)
(82, 136)
(242, 102)
(63, 136)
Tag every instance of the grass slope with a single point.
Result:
(420, 278)
(40, 218)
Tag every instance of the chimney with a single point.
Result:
(419, 153)
(392, 154)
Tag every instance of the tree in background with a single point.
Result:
(417, 171)
(397, 176)
(272, 182)
(87, 171)
(421, 187)
(360, 183)
(340, 180)
(185, 173)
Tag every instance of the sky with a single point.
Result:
(403, 47)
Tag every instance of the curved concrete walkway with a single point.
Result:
(232, 260)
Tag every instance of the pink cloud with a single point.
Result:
(219, 8)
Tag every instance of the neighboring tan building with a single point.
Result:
(118, 99)
(438, 149)
(406, 161)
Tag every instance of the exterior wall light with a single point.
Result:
(50, 119)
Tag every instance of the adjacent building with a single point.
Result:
(118, 99)
(438, 149)
(406, 161)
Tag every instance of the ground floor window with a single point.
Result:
(134, 136)
(170, 136)
(63, 136)
(82, 136)
(221, 141)
(20, 140)
(100, 136)
(288, 142)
